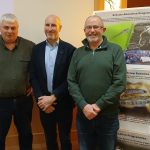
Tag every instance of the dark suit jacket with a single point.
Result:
(38, 72)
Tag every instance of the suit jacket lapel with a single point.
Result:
(59, 57)
(42, 55)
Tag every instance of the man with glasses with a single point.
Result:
(96, 78)
(50, 63)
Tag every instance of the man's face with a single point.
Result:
(52, 28)
(9, 31)
(94, 30)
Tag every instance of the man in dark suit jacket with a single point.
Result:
(49, 68)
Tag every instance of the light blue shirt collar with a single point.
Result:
(52, 47)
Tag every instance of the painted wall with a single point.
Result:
(32, 13)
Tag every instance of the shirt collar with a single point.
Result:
(56, 44)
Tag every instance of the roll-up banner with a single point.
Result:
(130, 28)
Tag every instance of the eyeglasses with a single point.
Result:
(95, 27)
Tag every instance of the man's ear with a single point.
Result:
(60, 28)
(104, 29)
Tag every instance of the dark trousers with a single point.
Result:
(21, 109)
(61, 121)
(97, 134)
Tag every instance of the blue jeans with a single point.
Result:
(21, 109)
(97, 134)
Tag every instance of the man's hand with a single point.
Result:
(49, 109)
(46, 102)
(29, 91)
(89, 112)
(96, 108)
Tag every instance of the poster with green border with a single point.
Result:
(130, 28)
(120, 33)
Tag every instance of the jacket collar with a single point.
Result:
(100, 47)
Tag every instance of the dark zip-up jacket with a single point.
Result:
(98, 76)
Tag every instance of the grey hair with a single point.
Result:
(8, 17)
(94, 16)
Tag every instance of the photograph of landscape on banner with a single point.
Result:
(130, 28)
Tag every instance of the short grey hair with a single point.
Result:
(94, 16)
(8, 17)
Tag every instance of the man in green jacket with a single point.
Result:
(96, 78)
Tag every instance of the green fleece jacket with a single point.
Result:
(98, 76)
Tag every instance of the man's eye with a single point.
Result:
(6, 28)
(53, 25)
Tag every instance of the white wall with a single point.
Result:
(32, 13)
